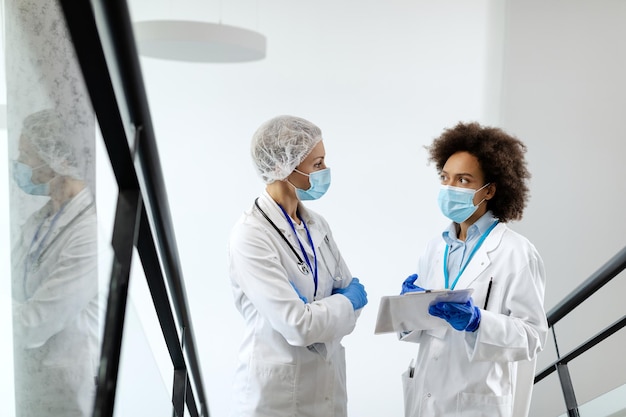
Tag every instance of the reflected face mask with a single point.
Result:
(457, 203)
(23, 177)
(320, 182)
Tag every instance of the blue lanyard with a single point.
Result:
(31, 257)
(445, 258)
(306, 257)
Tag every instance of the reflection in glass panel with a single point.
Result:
(6, 341)
(54, 256)
(55, 276)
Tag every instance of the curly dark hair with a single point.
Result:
(501, 158)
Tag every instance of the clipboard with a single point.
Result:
(407, 312)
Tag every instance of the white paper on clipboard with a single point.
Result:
(398, 313)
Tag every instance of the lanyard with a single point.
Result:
(445, 258)
(34, 255)
(301, 265)
(308, 234)
(35, 258)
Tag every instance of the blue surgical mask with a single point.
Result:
(457, 203)
(23, 177)
(319, 180)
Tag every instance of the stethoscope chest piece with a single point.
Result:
(303, 268)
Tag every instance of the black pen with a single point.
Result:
(488, 292)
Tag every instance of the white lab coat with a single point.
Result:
(488, 372)
(291, 361)
(55, 312)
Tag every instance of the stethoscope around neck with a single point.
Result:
(302, 265)
(33, 260)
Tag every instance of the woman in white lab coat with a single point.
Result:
(482, 362)
(54, 277)
(290, 283)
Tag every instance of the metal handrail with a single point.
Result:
(582, 348)
(601, 277)
(123, 42)
(586, 289)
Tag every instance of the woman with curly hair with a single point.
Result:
(481, 361)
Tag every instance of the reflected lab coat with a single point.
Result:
(291, 361)
(488, 372)
(55, 311)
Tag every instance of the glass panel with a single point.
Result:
(6, 343)
(587, 371)
(7, 395)
(611, 404)
(603, 367)
(599, 370)
(548, 355)
(547, 399)
(54, 283)
(145, 365)
(105, 204)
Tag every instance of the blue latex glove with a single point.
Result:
(355, 292)
(461, 316)
(302, 297)
(408, 286)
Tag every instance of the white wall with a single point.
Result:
(564, 93)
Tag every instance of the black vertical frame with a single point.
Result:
(101, 32)
(568, 390)
(125, 230)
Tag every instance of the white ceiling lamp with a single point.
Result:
(194, 41)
